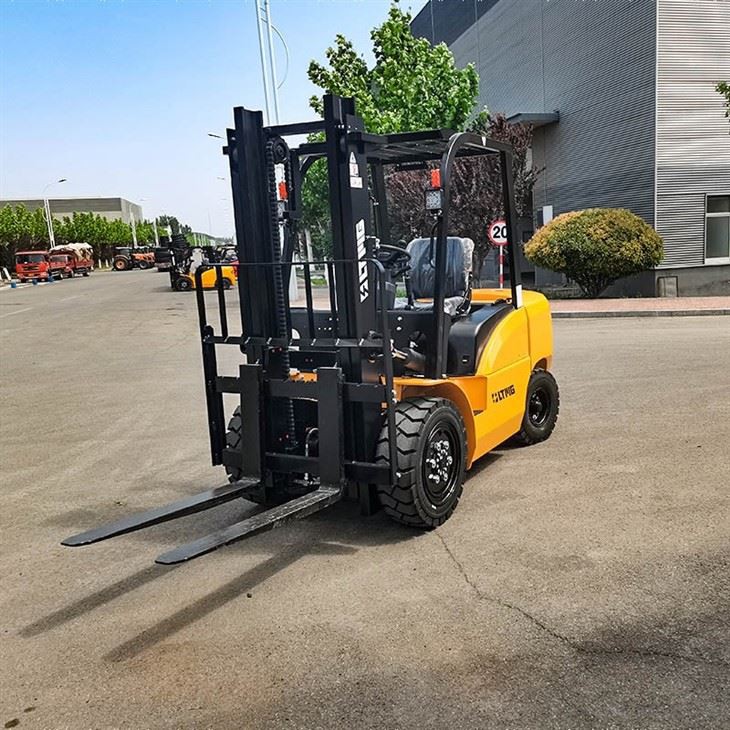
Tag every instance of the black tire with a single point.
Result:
(227, 284)
(183, 284)
(22, 281)
(143, 264)
(69, 274)
(85, 272)
(542, 406)
(283, 490)
(433, 473)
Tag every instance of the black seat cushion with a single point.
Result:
(423, 273)
(458, 266)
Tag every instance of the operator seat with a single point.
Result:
(457, 292)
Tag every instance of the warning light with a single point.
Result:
(283, 191)
(436, 178)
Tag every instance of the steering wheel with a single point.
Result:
(394, 258)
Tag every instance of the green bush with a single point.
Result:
(595, 247)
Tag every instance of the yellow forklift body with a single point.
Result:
(492, 401)
(209, 276)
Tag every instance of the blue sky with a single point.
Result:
(118, 96)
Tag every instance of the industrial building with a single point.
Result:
(109, 208)
(621, 95)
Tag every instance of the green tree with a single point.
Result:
(595, 247)
(119, 233)
(19, 229)
(174, 223)
(724, 88)
(476, 192)
(412, 85)
(145, 232)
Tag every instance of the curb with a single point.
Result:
(639, 313)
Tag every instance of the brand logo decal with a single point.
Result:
(362, 267)
(500, 395)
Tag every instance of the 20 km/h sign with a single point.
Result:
(498, 232)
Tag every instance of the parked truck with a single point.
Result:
(56, 263)
(78, 258)
(38, 265)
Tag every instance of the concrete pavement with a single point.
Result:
(640, 307)
(581, 583)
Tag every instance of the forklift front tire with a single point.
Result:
(183, 284)
(431, 451)
(541, 409)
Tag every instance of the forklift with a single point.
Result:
(383, 399)
(182, 278)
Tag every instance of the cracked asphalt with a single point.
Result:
(582, 583)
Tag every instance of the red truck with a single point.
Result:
(78, 258)
(39, 265)
(60, 261)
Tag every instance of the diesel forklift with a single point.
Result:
(361, 394)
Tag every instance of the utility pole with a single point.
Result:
(264, 74)
(268, 73)
(272, 61)
(47, 210)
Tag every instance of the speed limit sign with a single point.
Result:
(498, 232)
(498, 236)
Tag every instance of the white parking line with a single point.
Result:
(17, 311)
(68, 299)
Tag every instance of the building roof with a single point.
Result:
(536, 119)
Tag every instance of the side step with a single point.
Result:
(188, 506)
(292, 510)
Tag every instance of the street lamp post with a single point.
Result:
(154, 225)
(47, 209)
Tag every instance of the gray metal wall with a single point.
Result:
(594, 62)
(693, 135)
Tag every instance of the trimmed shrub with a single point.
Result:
(595, 247)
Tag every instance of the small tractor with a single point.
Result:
(384, 399)
(127, 257)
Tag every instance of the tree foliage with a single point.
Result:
(21, 228)
(411, 86)
(174, 223)
(476, 197)
(595, 247)
(724, 88)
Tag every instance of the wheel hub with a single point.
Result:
(439, 461)
(539, 407)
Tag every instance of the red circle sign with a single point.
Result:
(498, 232)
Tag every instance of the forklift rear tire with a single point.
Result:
(541, 409)
(431, 446)
(183, 284)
